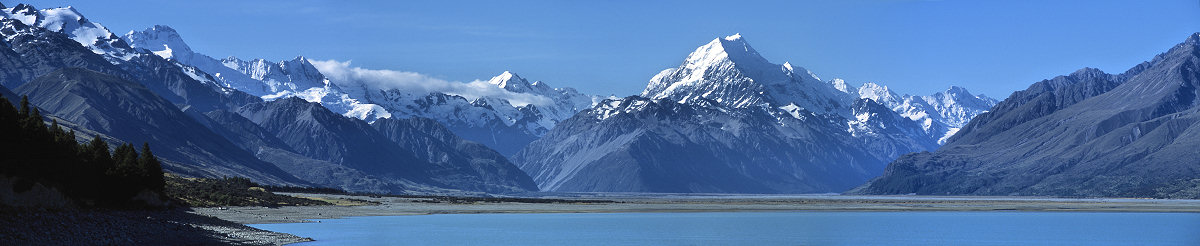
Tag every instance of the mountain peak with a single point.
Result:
(731, 72)
(298, 61)
(733, 47)
(23, 8)
(163, 29)
(511, 82)
(734, 37)
(956, 90)
(879, 93)
(162, 40)
(1088, 72)
(841, 85)
(1194, 39)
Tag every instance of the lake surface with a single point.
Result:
(757, 228)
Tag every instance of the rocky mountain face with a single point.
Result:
(493, 121)
(468, 165)
(163, 77)
(421, 162)
(263, 144)
(96, 103)
(32, 53)
(258, 77)
(726, 121)
(941, 114)
(1086, 134)
(29, 52)
(12, 97)
(202, 124)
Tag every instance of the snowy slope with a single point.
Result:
(69, 21)
(491, 120)
(168, 79)
(940, 114)
(265, 79)
(495, 121)
(728, 120)
(730, 72)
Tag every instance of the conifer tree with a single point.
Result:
(8, 125)
(125, 160)
(87, 172)
(34, 121)
(152, 169)
(124, 155)
(97, 155)
(24, 110)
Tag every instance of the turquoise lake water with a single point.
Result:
(757, 228)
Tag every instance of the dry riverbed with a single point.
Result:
(387, 206)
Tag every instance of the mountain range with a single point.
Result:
(726, 120)
(94, 82)
(1087, 134)
(492, 120)
(729, 121)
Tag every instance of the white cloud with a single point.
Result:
(344, 75)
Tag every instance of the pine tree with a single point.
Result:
(8, 115)
(24, 110)
(34, 121)
(63, 139)
(125, 160)
(152, 169)
(97, 155)
(88, 172)
(10, 128)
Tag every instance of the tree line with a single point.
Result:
(88, 173)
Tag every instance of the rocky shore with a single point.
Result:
(115, 227)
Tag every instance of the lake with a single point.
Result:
(757, 228)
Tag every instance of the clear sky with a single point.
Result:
(614, 47)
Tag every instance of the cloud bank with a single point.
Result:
(345, 75)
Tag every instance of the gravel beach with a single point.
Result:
(115, 227)
(689, 203)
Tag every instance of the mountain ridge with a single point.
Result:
(130, 112)
(1088, 134)
(726, 121)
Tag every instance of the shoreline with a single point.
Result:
(396, 206)
(26, 226)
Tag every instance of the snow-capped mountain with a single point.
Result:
(161, 76)
(730, 72)
(261, 78)
(728, 120)
(940, 114)
(257, 77)
(117, 91)
(69, 21)
(491, 120)
(565, 102)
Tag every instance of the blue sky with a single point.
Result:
(614, 47)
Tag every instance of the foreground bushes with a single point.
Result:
(202, 192)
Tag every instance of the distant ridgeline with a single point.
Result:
(45, 166)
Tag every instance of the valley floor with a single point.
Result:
(625, 203)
